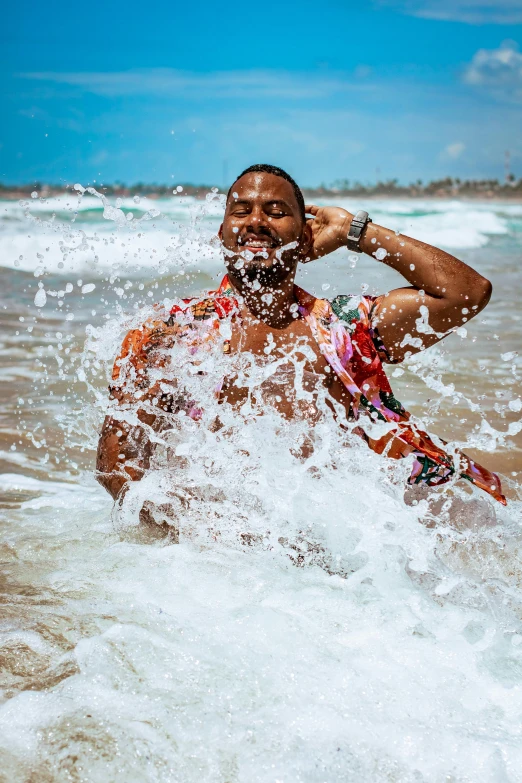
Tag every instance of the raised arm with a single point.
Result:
(452, 292)
(444, 292)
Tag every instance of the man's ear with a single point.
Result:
(220, 232)
(305, 243)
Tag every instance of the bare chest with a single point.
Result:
(295, 365)
(294, 343)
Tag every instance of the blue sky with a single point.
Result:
(196, 91)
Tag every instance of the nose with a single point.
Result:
(258, 218)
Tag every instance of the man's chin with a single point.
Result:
(261, 260)
(267, 271)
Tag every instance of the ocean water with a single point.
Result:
(312, 623)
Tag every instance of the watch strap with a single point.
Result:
(359, 222)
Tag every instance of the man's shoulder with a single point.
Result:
(164, 320)
(143, 345)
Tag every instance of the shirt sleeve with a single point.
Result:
(380, 347)
(144, 351)
(354, 309)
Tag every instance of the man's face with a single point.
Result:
(261, 217)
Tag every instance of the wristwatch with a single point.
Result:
(358, 224)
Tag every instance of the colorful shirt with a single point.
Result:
(343, 331)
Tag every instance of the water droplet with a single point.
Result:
(40, 297)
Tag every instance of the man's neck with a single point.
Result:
(267, 304)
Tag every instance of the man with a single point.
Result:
(265, 234)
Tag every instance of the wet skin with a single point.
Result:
(262, 216)
(252, 335)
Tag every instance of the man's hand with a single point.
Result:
(330, 226)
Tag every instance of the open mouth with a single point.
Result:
(258, 244)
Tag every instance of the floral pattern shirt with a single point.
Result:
(343, 331)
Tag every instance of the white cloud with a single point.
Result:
(454, 151)
(217, 84)
(468, 11)
(499, 71)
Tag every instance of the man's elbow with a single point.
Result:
(480, 294)
(487, 290)
(106, 460)
(112, 482)
(107, 478)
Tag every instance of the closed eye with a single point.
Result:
(276, 209)
(241, 208)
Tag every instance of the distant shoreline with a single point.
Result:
(472, 190)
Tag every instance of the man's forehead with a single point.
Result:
(264, 186)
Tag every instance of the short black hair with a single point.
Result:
(268, 169)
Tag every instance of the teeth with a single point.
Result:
(257, 243)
